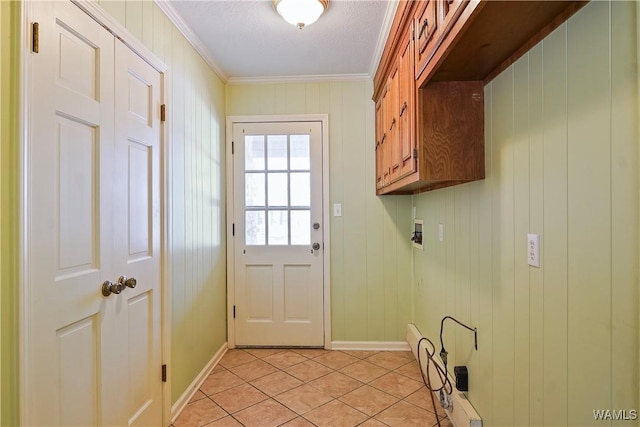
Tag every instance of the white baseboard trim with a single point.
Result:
(463, 414)
(371, 345)
(183, 401)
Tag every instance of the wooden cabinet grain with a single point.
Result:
(428, 87)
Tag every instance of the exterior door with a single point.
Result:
(92, 189)
(278, 234)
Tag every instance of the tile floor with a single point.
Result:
(312, 387)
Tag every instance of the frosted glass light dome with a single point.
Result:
(300, 12)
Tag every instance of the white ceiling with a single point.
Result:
(246, 40)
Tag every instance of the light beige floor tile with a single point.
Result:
(360, 354)
(422, 399)
(197, 396)
(336, 359)
(276, 383)
(238, 398)
(268, 413)
(227, 421)
(199, 413)
(364, 371)
(309, 370)
(285, 359)
(311, 352)
(372, 422)
(336, 384)
(253, 370)
(236, 357)
(335, 414)
(389, 359)
(303, 399)
(396, 384)
(220, 381)
(406, 415)
(298, 422)
(410, 370)
(368, 400)
(263, 352)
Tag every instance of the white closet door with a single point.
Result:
(89, 357)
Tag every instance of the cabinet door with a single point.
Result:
(393, 146)
(406, 105)
(448, 12)
(425, 27)
(380, 136)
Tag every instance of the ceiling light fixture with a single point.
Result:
(300, 12)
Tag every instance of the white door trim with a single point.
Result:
(95, 11)
(324, 119)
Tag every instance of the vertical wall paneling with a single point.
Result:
(624, 209)
(196, 186)
(503, 246)
(10, 34)
(553, 245)
(521, 228)
(536, 226)
(589, 235)
(370, 248)
(562, 160)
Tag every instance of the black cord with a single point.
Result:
(443, 352)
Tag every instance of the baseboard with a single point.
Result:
(183, 400)
(462, 413)
(371, 345)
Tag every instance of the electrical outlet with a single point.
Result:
(533, 250)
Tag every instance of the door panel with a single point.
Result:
(69, 251)
(92, 215)
(137, 239)
(278, 199)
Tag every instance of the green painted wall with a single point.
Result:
(9, 14)
(562, 145)
(197, 245)
(370, 251)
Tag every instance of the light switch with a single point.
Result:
(337, 209)
(441, 232)
(533, 250)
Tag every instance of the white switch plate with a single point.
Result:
(337, 209)
(533, 250)
(441, 232)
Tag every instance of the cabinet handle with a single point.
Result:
(404, 107)
(393, 123)
(425, 23)
(384, 136)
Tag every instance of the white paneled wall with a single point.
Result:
(370, 255)
(562, 145)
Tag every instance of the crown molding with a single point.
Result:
(392, 6)
(191, 37)
(298, 79)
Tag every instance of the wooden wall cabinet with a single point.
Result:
(429, 85)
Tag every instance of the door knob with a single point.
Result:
(316, 246)
(109, 288)
(130, 282)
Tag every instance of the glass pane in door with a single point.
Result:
(277, 189)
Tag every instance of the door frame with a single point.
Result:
(326, 219)
(119, 31)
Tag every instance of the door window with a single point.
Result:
(277, 190)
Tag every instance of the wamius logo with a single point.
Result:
(615, 414)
